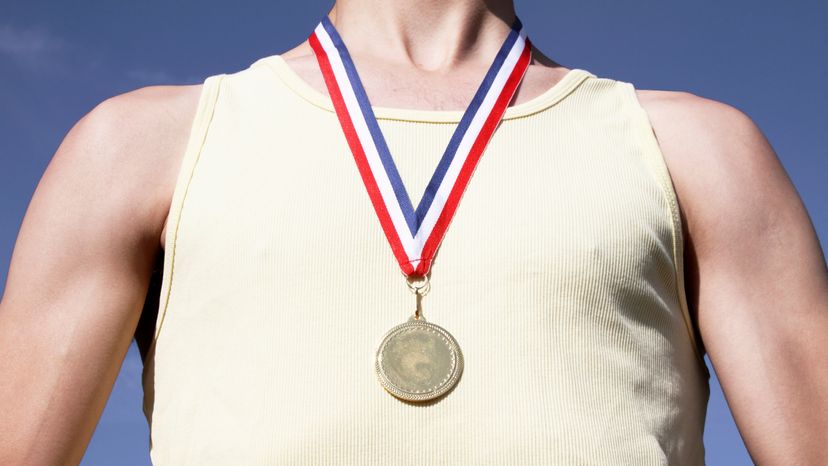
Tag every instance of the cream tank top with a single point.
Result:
(560, 276)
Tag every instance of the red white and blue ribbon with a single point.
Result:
(415, 235)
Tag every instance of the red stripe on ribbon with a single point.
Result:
(359, 155)
(475, 153)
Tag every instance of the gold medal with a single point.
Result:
(418, 360)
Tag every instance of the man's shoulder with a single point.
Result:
(692, 118)
(132, 132)
(702, 136)
(716, 155)
(132, 116)
(135, 141)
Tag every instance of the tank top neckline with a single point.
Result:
(546, 99)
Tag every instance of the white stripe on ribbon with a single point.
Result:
(414, 245)
(464, 148)
(412, 249)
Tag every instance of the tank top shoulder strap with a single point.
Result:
(642, 130)
(202, 119)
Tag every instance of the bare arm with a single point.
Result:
(756, 276)
(80, 270)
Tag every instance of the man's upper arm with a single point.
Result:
(757, 278)
(80, 269)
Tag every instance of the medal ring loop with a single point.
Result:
(418, 285)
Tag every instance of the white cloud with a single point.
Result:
(33, 46)
(148, 76)
(37, 49)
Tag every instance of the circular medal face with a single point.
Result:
(418, 361)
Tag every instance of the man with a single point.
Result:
(755, 278)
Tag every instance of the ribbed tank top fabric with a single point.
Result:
(560, 277)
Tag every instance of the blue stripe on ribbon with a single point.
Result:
(412, 218)
(373, 127)
(465, 121)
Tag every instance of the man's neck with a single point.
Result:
(432, 35)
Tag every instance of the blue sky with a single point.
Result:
(58, 59)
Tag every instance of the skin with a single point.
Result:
(756, 278)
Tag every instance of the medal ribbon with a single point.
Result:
(415, 235)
